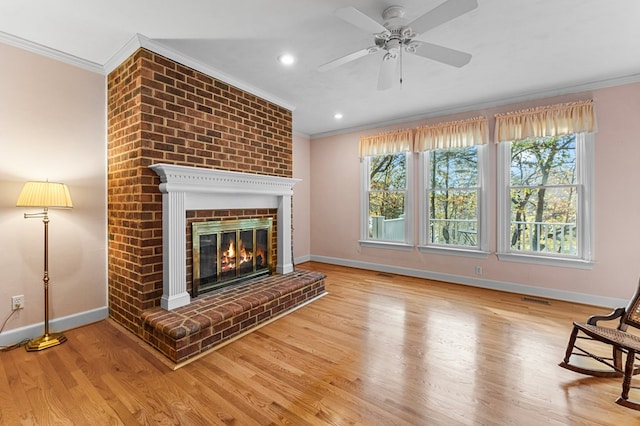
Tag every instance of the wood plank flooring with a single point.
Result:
(378, 350)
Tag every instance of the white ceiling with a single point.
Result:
(522, 49)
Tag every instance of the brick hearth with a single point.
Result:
(213, 319)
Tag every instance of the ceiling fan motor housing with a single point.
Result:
(393, 14)
(398, 34)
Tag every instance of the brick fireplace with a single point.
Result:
(164, 117)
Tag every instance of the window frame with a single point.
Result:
(585, 170)
(479, 251)
(407, 244)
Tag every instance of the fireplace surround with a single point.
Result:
(194, 188)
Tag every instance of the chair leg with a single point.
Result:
(626, 383)
(617, 358)
(628, 374)
(572, 341)
(571, 349)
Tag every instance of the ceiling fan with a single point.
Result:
(395, 36)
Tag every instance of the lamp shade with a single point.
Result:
(45, 194)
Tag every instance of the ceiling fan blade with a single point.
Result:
(442, 54)
(354, 17)
(389, 71)
(447, 11)
(348, 58)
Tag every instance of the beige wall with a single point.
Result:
(52, 126)
(336, 196)
(301, 198)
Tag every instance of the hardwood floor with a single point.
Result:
(379, 349)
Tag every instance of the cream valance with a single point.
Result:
(452, 134)
(386, 143)
(554, 120)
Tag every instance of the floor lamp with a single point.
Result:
(45, 195)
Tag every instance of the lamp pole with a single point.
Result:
(45, 278)
(49, 339)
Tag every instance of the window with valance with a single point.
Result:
(545, 175)
(386, 213)
(452, 200)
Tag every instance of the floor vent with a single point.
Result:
(534, 300)
(382, 274)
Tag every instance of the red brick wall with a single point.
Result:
(160, 111)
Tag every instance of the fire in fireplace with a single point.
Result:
(225, 252)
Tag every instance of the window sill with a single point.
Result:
(548, 261)
(454, 251)
(386, 245)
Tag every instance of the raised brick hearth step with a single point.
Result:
(216, 317)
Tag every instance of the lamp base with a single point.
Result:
(45, 342)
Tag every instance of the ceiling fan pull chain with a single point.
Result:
(401, 49)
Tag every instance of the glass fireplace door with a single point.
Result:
(225, 252)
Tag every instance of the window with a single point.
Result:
(545, 181)
(547, 195)
(386, 181)
(386, 207)
(452, 197)
(452, 205)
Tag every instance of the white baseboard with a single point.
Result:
(302, 259)
(11, 337)
(549, 293)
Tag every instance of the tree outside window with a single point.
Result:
(386, 197)
(544, 193)
(452, 195)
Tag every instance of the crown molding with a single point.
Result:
(136, 42)
(123, 53)
(139, 41)
(58, 55)
(525, 97)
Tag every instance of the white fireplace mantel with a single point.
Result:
(192, 188)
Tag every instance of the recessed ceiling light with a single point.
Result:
(286, 59)
(337, 115)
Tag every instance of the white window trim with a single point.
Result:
(585, 215)
(483, 244)
(407, 244)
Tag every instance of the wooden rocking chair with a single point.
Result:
(621, 341)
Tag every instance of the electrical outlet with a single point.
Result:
(17, 302)
(478, 270)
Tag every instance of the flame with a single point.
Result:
(245, 256)
(228, 258)
(231, 251)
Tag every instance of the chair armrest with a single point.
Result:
(618, 313)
